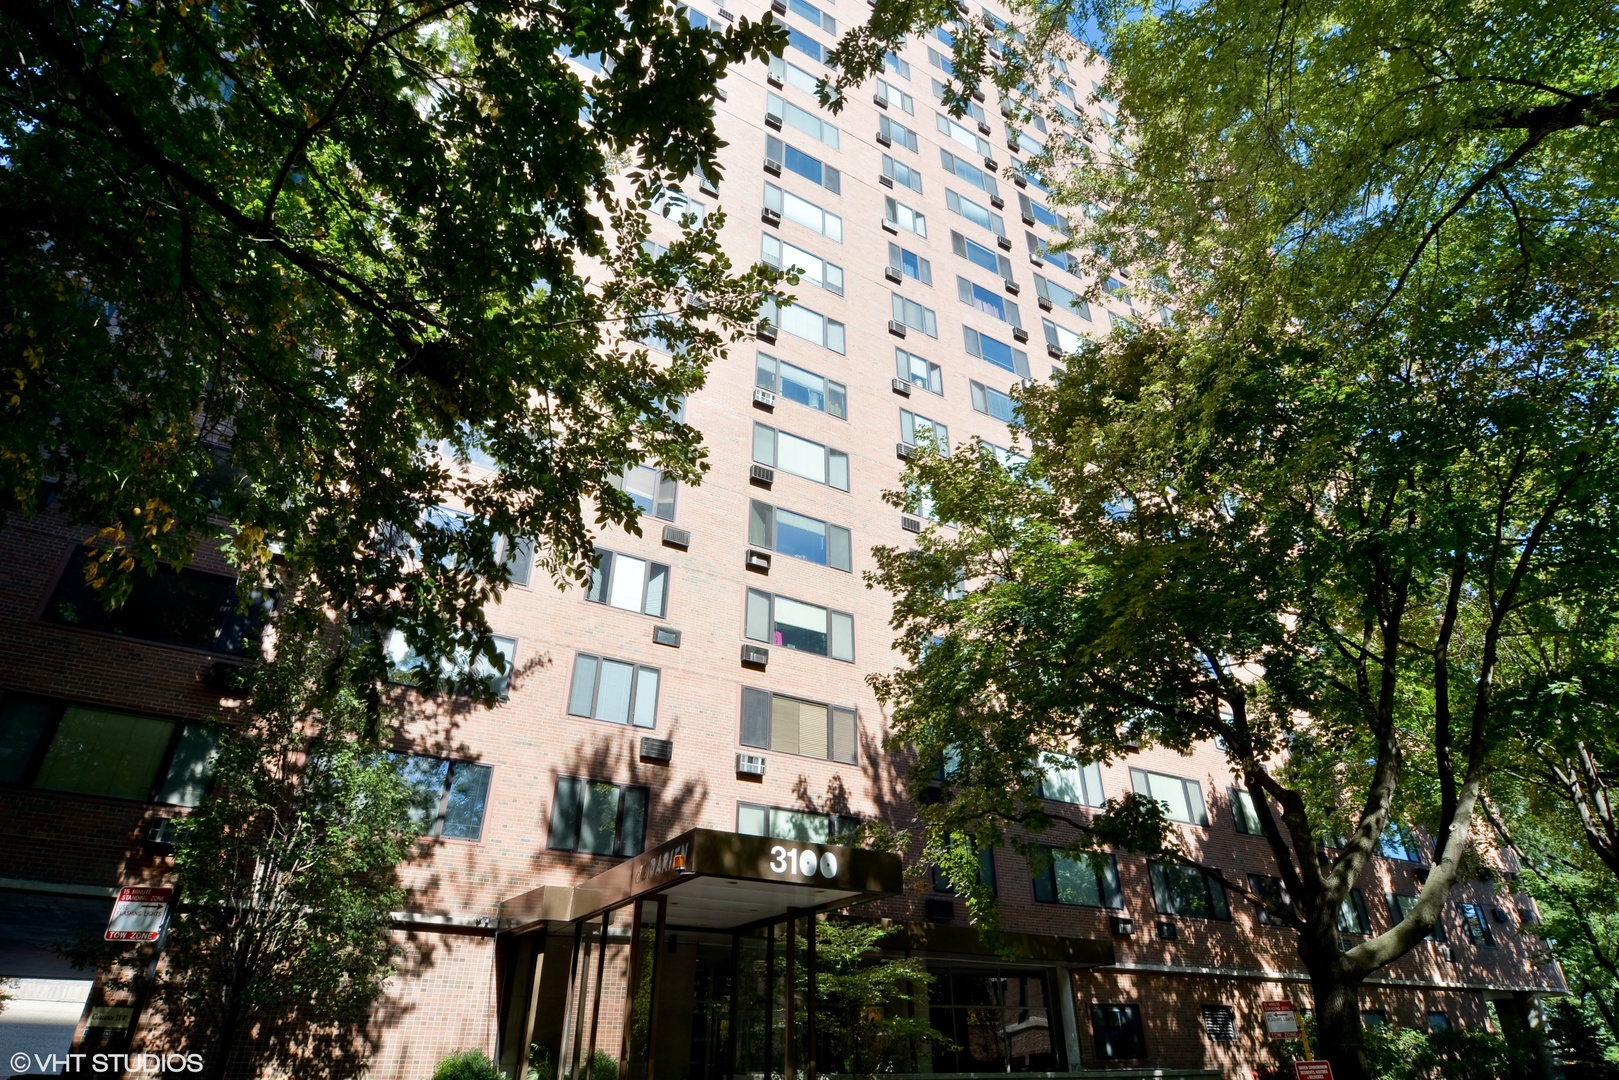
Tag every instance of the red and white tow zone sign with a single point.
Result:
(1313, 1070)
(138, 913)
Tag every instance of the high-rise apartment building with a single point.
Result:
(628, 855)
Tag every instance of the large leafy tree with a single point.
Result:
(260, 263)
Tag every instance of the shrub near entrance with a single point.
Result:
(467, 1065)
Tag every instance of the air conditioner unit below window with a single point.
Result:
(1045, 305)
(1027, 219)
(757, 560)
(767, 332)
(666, 635)
(886, 181)
(656, 749)
(772, 166)
(763, 398)
(1054, 352)
(779, 6)
(983, 128)
(772, 121)
(992, 165)
(1013, 287)
(910, 524)
(901, 387)
(896, 328)
(677, 537)
(889, 226)
(997, 202)
(879, 101)
(755, 655)
(762, 474)
(905, 451)
(774, 80)
(1019, 335)
(1019, 181)
(750, 765)
(894, 274)
(1035, 259)
(883, 139)
(1004, 243)
(769, 216)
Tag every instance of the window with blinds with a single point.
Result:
(788, 725)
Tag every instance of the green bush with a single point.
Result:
(603, 1066)
(467, 1065)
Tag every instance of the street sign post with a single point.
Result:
(139, 913)
(1281, 1019)
(1313, 1070)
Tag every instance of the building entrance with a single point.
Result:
(693, 961)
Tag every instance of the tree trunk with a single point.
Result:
(1338, 1028)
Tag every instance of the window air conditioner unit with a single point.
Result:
(656, 749)
(1019, 181)
(1027, 219)
(750, 764)
(757, 560)
(755, 655)
(1123, 925)
(978, 95)
(1053, 352)
(894, 274)
(889, 226)
(770, 217)
(763, 398)
(991, 164)
(762, 474)
(1035, 259)
(997, 202)
(1013, 287)
(879, 101)
(666, 635)
(708, 187)
(883, 139)
(1004, 243)
(886, 181)
(719, 92)
(1167, 931)
(772, 166)
(939, 909)
(1045, 305)
(983, 127)
(905, 451)
(772, 121)
(767, 332)
(910, 524)
(896, 328)
(774, 80)
(779, 6)
(727, 16)
(902, 387)
(677, 537)
(1020, 335)
(1011, 141)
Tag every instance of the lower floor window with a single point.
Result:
(598, 818)
(1117, 1030)
(450, 797)
(805, 826)
(999, 1018)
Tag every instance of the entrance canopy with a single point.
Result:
(719, 880)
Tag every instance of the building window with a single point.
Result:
(794, 76)
(1372, 1018)
(1077, 784)
(1438, 1021)
(405, 665)
(614, 690)
(986, 872)
(1244, 813)
(629, 584)
(979, 255)
(804, 826)
(799, 536)
(966, 171)
(1220, 1023)
(788, 725)
(973, 212)
(804, 212)
(799, 163)
(804, 387)
(1117, 1030)
(918, 371)
(988, 301)
(892, 94)
(996, 351)
(54, 746)
(652, 489)
(1061, 338)
(1352, 917)
(797, 39)
(776, 252)
(996, 403)
(1182, 799)
(1006, 459)
(995, 1019)
(899, 67)
(897, 133)
(810, 325)
(962, 136)
(184, 607)
(800, 457)
(1273, 890)
(821, 19)
(914, 426)
(793, 624)
(901, 216)
(1060, 297)
(1400, 905)
(1474, 924)
(910, 264)
(1178, 889)
(918, 318)
(1074, 880)
(1397, 842)
(448, 798)
(902, 174)
(594, 817)
(802, 119)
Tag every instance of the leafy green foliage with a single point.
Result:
(865, 1000)
(259, 263)
(287, 875)
(467, 1065)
